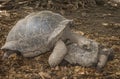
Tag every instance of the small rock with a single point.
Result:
(44, 75)
(56, 68)
(18, 75)
(65, 77)
(105, 24)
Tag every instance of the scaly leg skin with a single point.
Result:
(104, 55)
(58, 54)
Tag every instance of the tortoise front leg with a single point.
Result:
(58, 54)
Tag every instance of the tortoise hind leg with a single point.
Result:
(58, 54)
(104, 56)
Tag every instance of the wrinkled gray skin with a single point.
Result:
(88, 54)
(85, 55)
(35, 34)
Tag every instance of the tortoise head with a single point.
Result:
(6, 54)
(8, 49)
